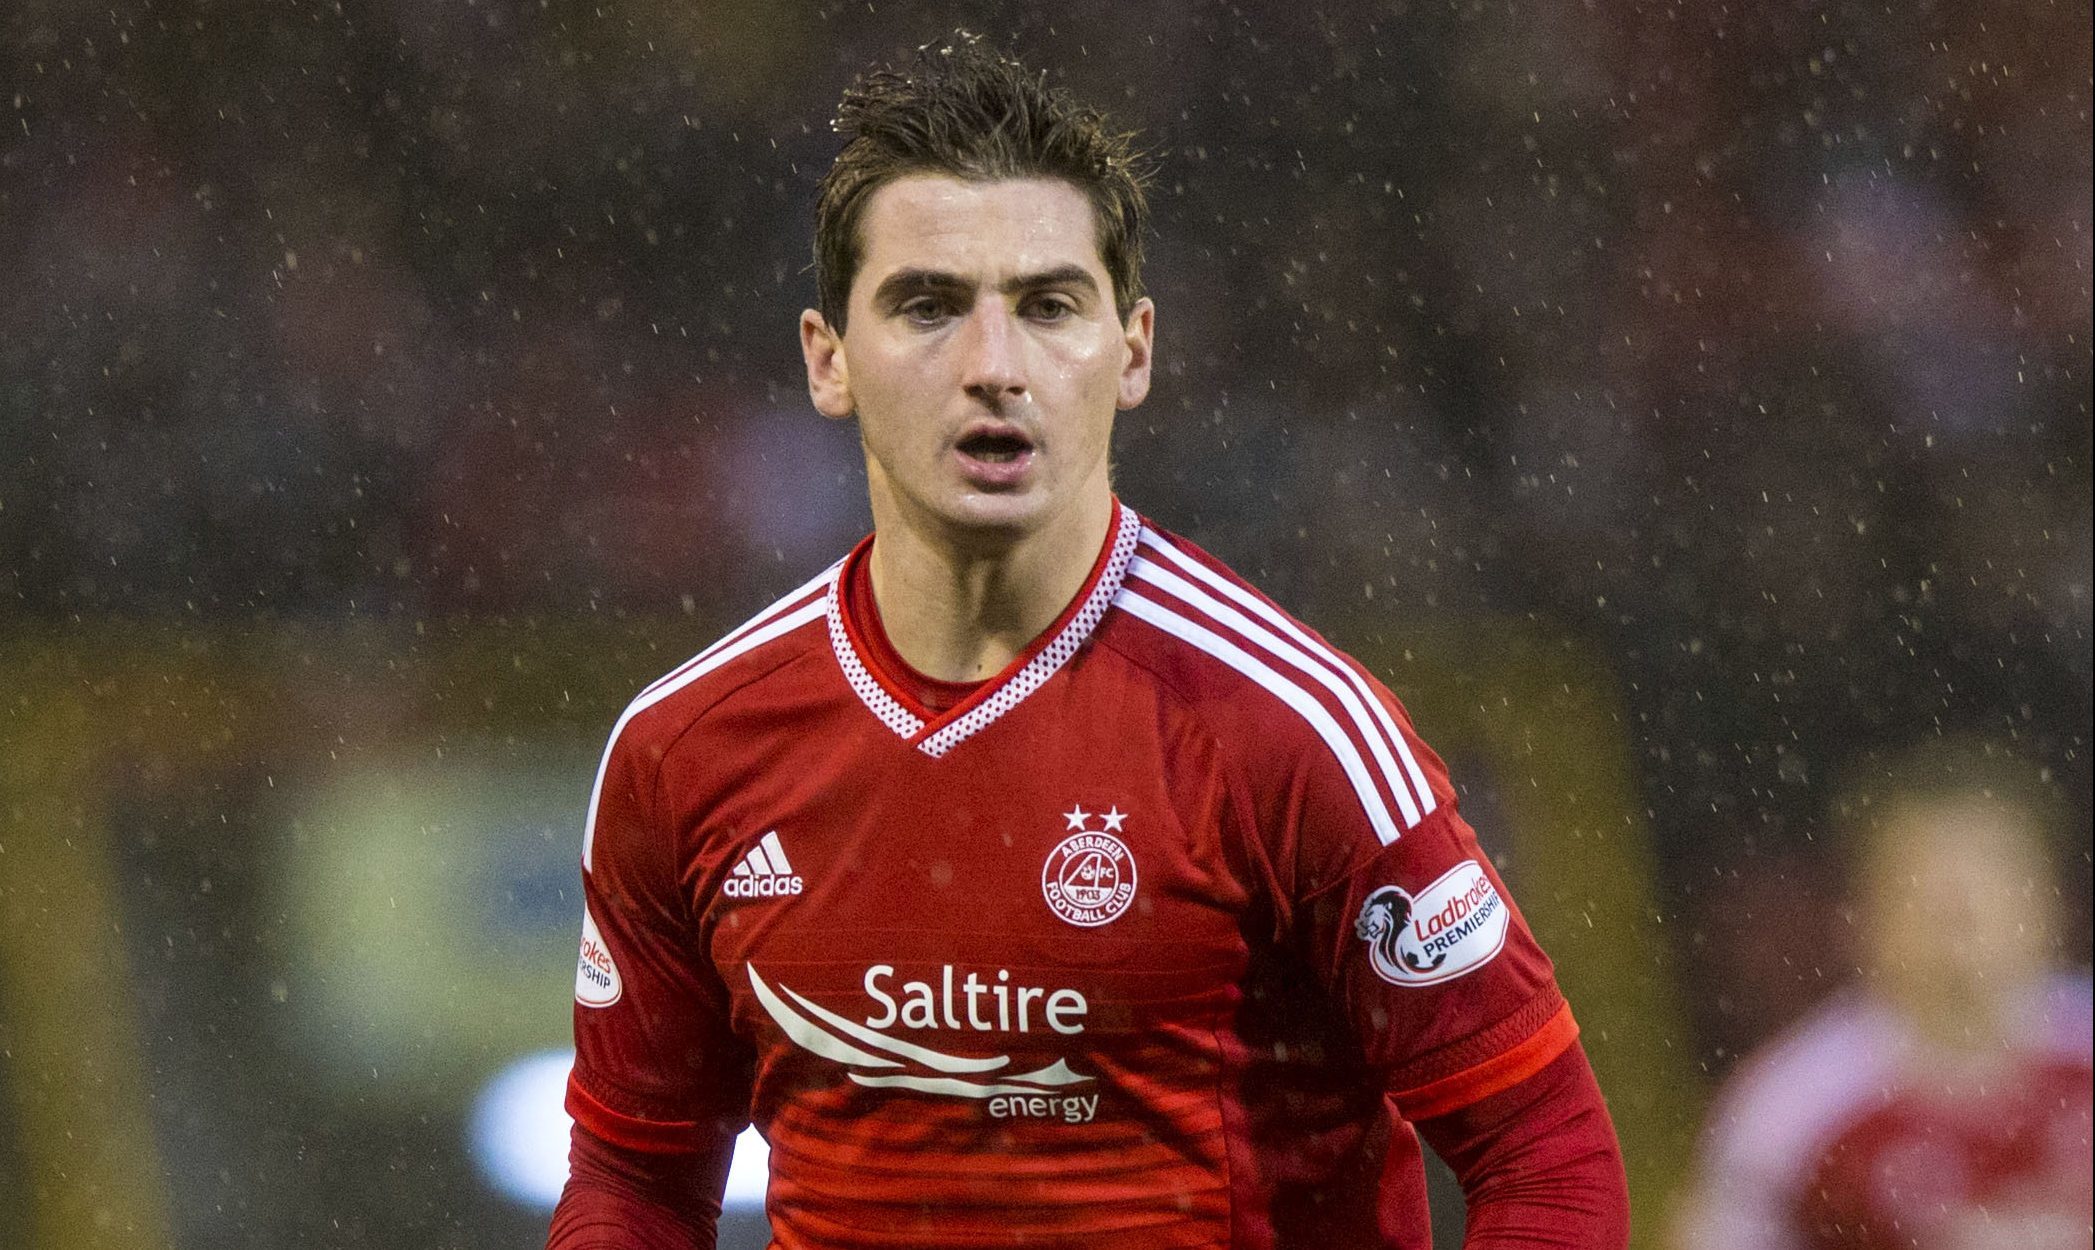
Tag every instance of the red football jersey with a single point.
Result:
(1851, 1131)
(1948, 1163)
(1156, 939)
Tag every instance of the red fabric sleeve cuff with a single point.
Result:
(1503, 1071)
(630, 1132)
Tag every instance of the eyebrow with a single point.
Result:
(905, 282)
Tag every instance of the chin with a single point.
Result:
(968, 512)
(1001, 516)
(1010, 514)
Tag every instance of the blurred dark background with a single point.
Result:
(388, 388)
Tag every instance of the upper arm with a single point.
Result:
(1403, 916)
(657, 1064)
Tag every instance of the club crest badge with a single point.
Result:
(1089, 878)
(1452, 927)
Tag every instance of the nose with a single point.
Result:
(993, 355)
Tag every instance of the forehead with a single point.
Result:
(1977, 844)
(983, 230)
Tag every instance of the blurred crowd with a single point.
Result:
(1749, 346)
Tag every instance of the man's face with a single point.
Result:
(983, 355)
(1961, 908)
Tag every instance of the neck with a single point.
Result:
(1952, 1019)
(960, 605)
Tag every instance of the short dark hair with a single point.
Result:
(968, 111)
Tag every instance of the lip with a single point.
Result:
(995, 474)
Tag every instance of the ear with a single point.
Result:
(828, 372)
(1137, 341)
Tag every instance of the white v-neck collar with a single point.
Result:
(935, 735)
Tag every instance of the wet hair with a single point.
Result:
(967, 111)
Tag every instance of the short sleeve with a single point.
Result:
(657, 1067)
(1404, 918)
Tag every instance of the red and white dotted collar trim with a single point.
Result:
(868, 688)
(936, 736)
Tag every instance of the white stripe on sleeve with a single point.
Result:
(1288, 692)
(1221, 612)
(808, 587)
(1427, 801)
(710, 659)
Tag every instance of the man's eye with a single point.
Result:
(1051, 308)
(923, 310)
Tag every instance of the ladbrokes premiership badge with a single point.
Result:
(1454, 926)
(1089, 879)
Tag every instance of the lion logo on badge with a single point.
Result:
(1381, 923)
(1089, 879)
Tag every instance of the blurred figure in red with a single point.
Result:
(1943, 1103)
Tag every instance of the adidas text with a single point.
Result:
(762, 887)
(764, 872)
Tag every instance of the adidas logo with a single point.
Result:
(764, 872)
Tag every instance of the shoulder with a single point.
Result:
(791, 626)
(1207, 629)
(668, 707)
(1269, 685)
(1774, 1116)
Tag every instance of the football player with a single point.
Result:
(1027, 877)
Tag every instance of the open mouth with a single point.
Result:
(995, 447)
